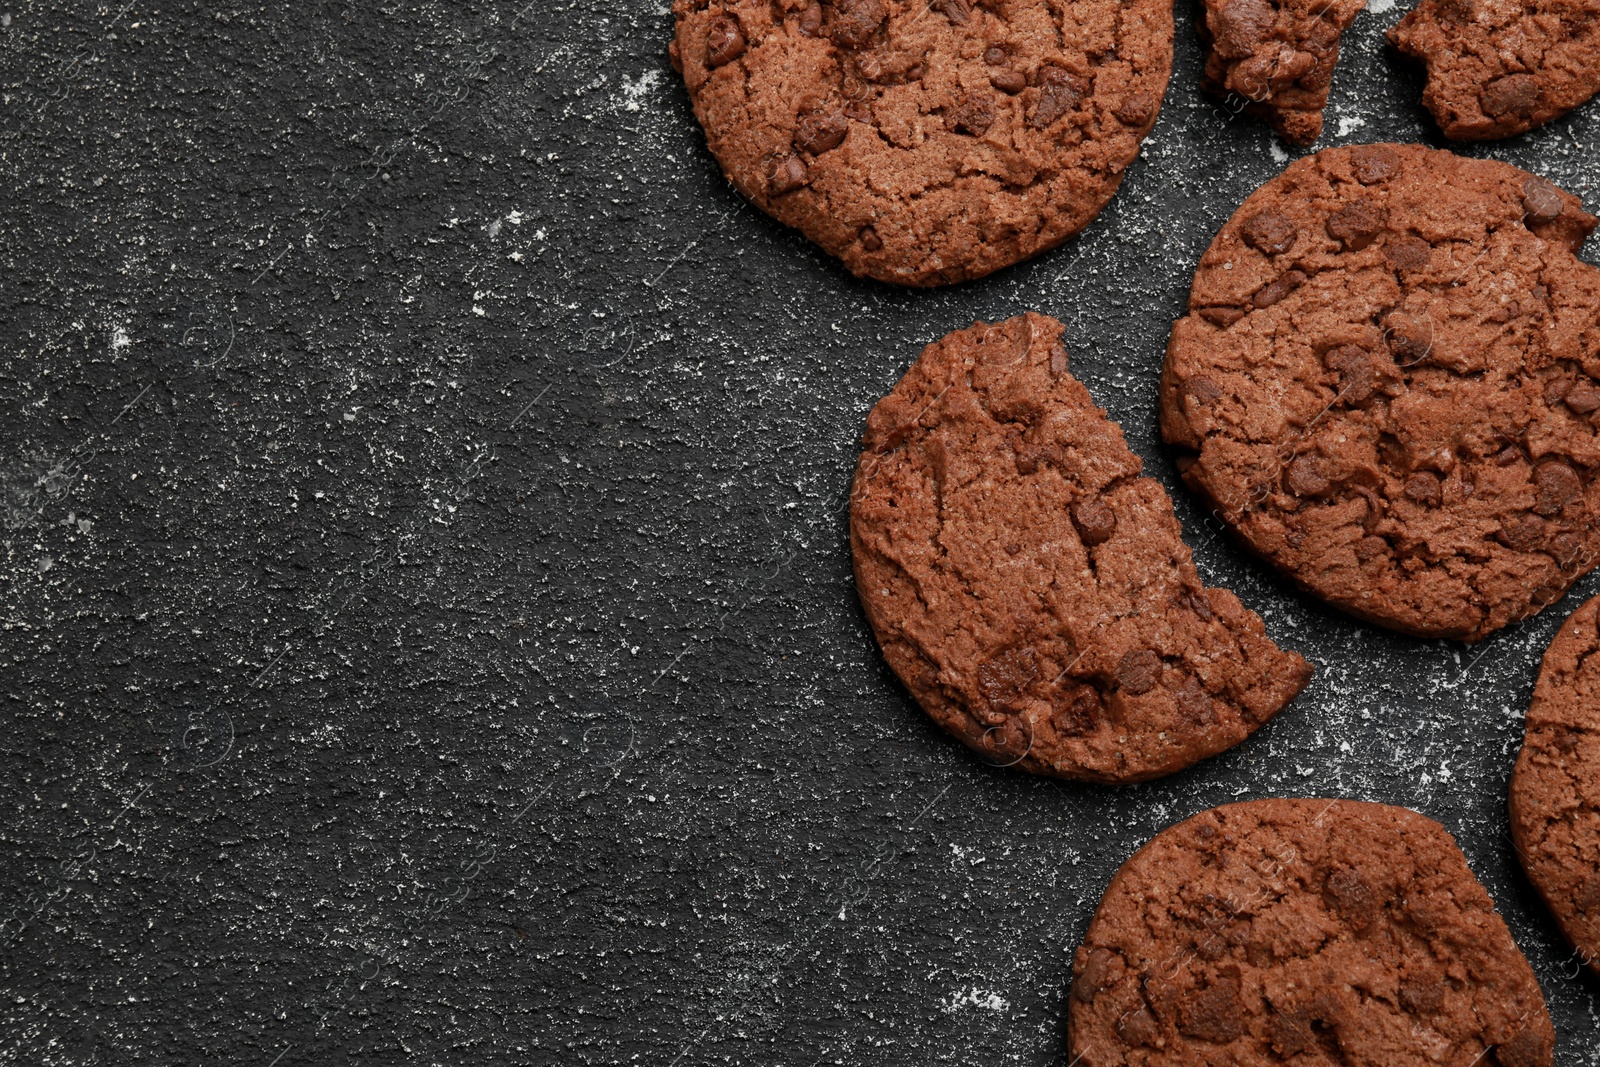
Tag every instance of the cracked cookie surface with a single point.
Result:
(1277, 56)
(1500, 67)
(1031, 590)
(1309, 932)
(1555, 789)
(1388, 385)
(926, 143)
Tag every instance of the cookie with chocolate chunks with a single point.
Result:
(1031, 590)
(1498, 69)
(1276, 58)
(924, 142)
(1555, 790)
(1303, 932)
(1388, 385)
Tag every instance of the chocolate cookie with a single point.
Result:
(1031, 590)
(1388, 385)
(1555, 790)
(1308, 932)
(1277, 58)
(1496, 69)
(926, 142)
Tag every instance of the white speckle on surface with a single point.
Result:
(974, 998)
(1378, 7)
(1278, 154)
(516, 217)
(634, 92)
(119, 338)
(1348, 124)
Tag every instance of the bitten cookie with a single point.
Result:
(1555, 790)
(1308, 932)
(1030, 589)
(926, 142)
(1499, 68)
(1388, 385)
(1277, 57)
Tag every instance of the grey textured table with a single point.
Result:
(428, 629)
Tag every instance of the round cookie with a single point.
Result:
(1555, 790)
(1307, 932)
(1495, 70)
(1031, 590)
(926, 142)
(1388, 385)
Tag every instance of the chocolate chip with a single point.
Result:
(1095, 520)
(1136, 109)
(1514, 94)
(1507, 456)
(973, 115)
(1291, 1032)
(1371, 547)
(1241, 26)
(811, 21)
(1305, 477)
(1583, 397)
(1096, 974)
(1138, 1028)
(1057, 96)
(1215, 1013)
(1407, 252)
(1139, 671)
(1421, 996)
(870, 239)
(1352, 896)
(1197, 603)
(1269, 232)
(995, 56)
(1555, 389)
(1010, 82)
(1374, 163)
(1358, 378)
(820, 132)
(1058, 360)
(786, 174)
(1221, 317)
(1356, 225)
(1195, 703)
(1079, 713)
(724, 41)
(1523, 532)
(1410, 337)
(957, 11)
(855, 21)
(1273, 292)
(1555, 484)
(1423, 488)
(1541, 200)
(1201, 390)
(1567, 548)
(1003, 681)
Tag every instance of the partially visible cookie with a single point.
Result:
(1031, 590)
(1388, 385)
(925, 142)
(1497, 68)
(1277, 57)
(1555, 790)
(1306, 932)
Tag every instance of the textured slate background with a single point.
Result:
(427, 620)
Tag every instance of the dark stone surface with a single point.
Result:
(428, 629)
